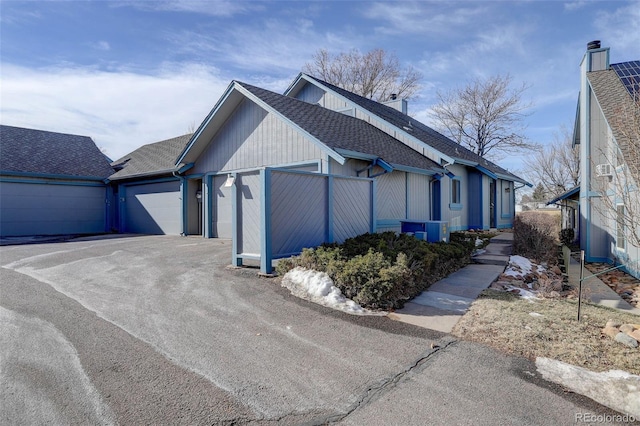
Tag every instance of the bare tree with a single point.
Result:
(376, 74)
(486, 116)
(555, 166)
(620, 189)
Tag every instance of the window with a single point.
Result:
(620, 242)
(456, 199)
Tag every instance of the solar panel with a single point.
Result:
(629, 74)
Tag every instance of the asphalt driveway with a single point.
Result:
(150, 329)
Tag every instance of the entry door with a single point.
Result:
(436, 201)
(222, 208)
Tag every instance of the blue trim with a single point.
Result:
(388, 223)
(458, 228)
(205, 122)
(208, 217)
(51, 182)
(185, 168)
(566, 195)
(236, 259)
(184, 192)
(505, 226)
(144, 182)
(450, 175)
(383, 164)
(455, 206)
(374, 201)
(329, 224)
(51, 176)
(314, 140)
(451, 199)
(108, 213)
(506, 216)
(417, 171)
(355, 154)
(266, 264)
(487, 172)
(122, 196)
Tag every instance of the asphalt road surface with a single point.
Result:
(159, 330)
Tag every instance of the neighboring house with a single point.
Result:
(475, 194)
(148, 187)
(52, 184)
(569, 203)
(609, 159)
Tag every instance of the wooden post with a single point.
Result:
(580, 282)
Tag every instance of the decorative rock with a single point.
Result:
(627, 340)
(556, 270)
(553, 294)
(626, 328)
(613, 323)
(635, 334)
(610, 331)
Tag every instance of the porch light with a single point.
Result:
(231, 179)
(199, 195)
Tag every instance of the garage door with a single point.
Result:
(51, 209)
(153, 208)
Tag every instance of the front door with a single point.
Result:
(436, 201)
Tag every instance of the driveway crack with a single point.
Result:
(384, 386)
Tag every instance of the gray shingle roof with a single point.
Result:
(339, 131)
(621, 112)
(155, 158)
(42, 152)
(419, 130)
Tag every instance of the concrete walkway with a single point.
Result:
(441, 306)
(596, 291)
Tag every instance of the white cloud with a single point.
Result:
(575, 5)
(206, 7)
(620, 30)
(101, 45)
(119, 110)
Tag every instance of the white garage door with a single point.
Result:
(51, 209)
(153, 208)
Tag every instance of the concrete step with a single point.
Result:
(488, 259)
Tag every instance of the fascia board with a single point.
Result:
(442, 156)
(332, 153)
(205, 122)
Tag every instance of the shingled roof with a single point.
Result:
(155, 158)
(418, 130)
(48, 153)
(621, 112)
(339, 131)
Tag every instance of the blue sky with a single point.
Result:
(128, 73)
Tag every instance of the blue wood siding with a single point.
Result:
(351, 208)
(254, 138)
(475, 199)
(249, 221)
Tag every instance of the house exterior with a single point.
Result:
(149, 190)
(279, 172)
(607, 132)
(473, 193)
(52, 184)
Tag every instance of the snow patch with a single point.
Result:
(318, 287)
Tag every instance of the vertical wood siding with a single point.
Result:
(298, 211)
(311, 94)
(254, 138)
(419, 196)
(249, 220)
(458, 219)
(221, 208)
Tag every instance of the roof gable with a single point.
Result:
(342, 133)
(154, 158)
(335, 133)
(409, 126)
(41, 152)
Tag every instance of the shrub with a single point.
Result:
(534, 236)
(567, 236)
(382, 271)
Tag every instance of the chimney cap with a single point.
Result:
(595, 44)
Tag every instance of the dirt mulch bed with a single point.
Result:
(627, 286)
(549, 328)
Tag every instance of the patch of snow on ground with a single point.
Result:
(318, 287)
(520, 266)
(479, 242)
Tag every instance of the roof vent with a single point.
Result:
(394, 96)
(595, 44)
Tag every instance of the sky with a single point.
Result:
(128, 73)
